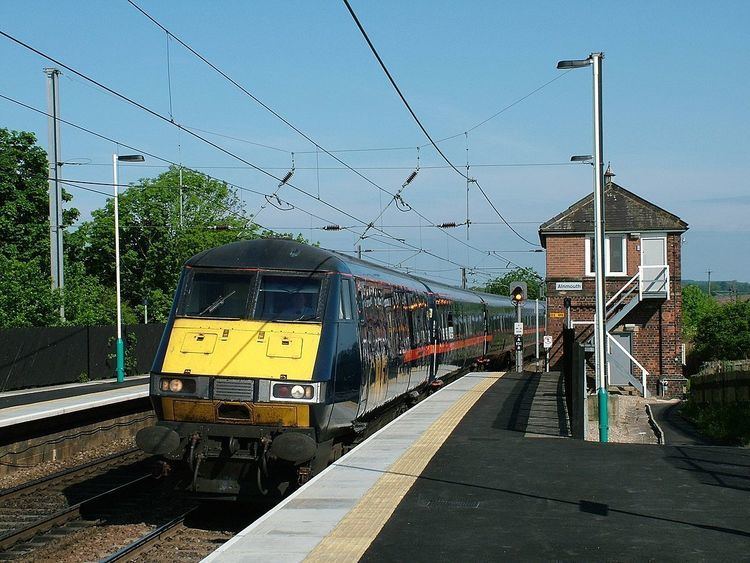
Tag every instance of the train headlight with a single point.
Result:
(177, 385)
(296, 392)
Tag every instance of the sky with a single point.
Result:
(675, 97)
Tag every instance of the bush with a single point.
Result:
(725, 423)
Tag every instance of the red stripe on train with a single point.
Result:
(443, 347)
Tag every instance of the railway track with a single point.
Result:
(192, 535)
(62, 499)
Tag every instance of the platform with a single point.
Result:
(471, 472)
(18, 407)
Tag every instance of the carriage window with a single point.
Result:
(288, 298)
(345, 301)
(219, 295)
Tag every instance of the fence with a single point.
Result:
(35, 357)
(722, 383)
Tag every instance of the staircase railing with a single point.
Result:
(644, 371)
(654, 279)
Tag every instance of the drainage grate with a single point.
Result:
(234, 389)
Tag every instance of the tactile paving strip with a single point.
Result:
(353, 535)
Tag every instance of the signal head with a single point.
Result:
(518, 292)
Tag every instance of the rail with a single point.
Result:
(150, 540)
(28, 531)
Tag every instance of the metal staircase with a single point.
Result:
(650, 282)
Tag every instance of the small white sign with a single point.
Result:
(569, 286)
(517, 329)
(548, 341)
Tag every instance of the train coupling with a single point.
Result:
(303, 474)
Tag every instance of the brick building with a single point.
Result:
(643, 290)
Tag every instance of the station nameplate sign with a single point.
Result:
(556, 315)
(569, 286)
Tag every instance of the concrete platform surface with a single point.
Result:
(20, 407)
(457, 477)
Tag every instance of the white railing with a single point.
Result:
(644, 371)
(653, 279)
(630, 282)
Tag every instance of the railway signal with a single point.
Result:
(518, 294)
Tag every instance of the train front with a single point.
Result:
(240, 382)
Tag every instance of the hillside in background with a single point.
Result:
(721, 288)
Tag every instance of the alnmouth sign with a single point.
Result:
(569, 286)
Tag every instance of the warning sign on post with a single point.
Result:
(518, 329)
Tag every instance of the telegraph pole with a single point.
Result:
(463, 278)
(709, 282)
(55, 174)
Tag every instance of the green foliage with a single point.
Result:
(696, 305)
(501, 285)
(725, 423)
(724, 333)
(26, 298)
(154, 242)
(24, 203)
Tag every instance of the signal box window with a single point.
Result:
(615, 255)
(288, 298)
(217, 295)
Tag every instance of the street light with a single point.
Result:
(120, 370)
(600, 335)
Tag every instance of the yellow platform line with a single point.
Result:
(353, 535)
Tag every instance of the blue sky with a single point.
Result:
(676, 103)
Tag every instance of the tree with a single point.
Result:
(501, 285)
(724, 333)
(26, 296)
(155, 240)
(24, 203)
(696, 305)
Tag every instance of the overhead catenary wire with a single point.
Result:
(291, 125)
(166, 119)
(180, 127)
(137, 149)
(422, 127)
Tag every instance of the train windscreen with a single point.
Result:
(288, 298)
(217, 295)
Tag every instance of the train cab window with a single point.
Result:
(345, 300)
(220, 295)
(288, 298)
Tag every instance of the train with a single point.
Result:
(278, 355)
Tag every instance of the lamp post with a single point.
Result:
(600, 335)
(120, 370)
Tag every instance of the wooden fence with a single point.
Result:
(722, 383)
